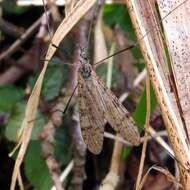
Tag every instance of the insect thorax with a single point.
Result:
(85, 70)
(85, 67)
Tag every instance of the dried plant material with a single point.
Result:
(147, 125)
(97, 106)
(153, 50)
(22, 39)
(69, 5)
(100, 49)
(112, 178)
(110, 182)
(79, 10)
(161, 141)
(179, 49)
(169, 176)
(53, 9)
(65, 173)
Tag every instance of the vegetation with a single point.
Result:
(52, 150)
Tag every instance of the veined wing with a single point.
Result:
(116, 114)
(91, 117)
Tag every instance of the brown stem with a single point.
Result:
(47, 137)
(10, 28)
(21, 40)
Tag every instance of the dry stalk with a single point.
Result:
(112, 178)
(147, 125)
(162, 170)
(31, 109)
(153, 51)
(21, 39)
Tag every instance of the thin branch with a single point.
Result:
(14, 47)
(154, 136)
(65, 173)
(10, 28)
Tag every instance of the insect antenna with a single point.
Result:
(68, 102)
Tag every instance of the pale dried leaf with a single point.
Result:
(100, 49)
(79, 10)
(178, 39)
(153, 50)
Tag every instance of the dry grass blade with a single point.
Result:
(169, 176)
(148, 111)
(79, 10)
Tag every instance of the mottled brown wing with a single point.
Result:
(91, 117)
(116, 114)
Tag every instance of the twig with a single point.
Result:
(47, 137)
(21, 40)
(65, 173)
(160, 141)
(154, 135)
(148, 111)
(22, 66)
(14, 73)
(10, 28)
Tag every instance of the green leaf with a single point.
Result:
(55, 76)
(11, 7)
(126, 152)
(35, 167)
(52, 82)
(62, 146)
(140, 113)
(9, 96)
(118, 15)
(15, 121)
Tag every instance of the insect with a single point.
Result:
(98, 105)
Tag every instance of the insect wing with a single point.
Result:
(116, 114)
(91, 117)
